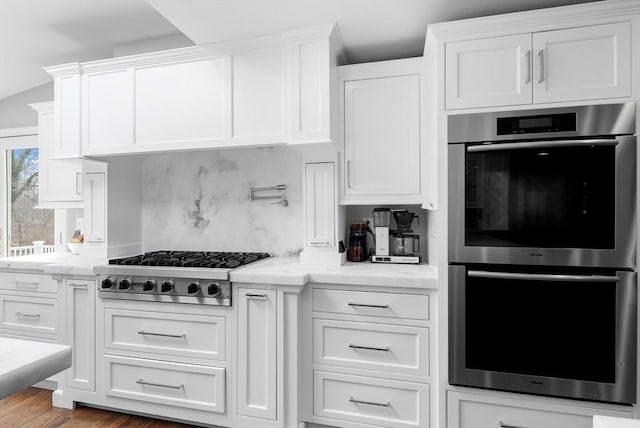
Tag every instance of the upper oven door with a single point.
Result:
(547, 202)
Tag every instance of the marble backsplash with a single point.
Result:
(200, 201)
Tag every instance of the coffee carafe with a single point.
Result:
(357, 251)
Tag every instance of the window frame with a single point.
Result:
(13, 138)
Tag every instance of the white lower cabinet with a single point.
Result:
(257, 343)
(371, 357)
(80, 332)
(174, 384)
(381, 402)
(466, 410)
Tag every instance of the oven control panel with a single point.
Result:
(178, 290)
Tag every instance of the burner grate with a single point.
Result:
(201, 259)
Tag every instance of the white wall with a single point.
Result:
(200, 201)
(15, 111)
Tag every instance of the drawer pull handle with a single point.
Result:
(369, 348)
(256, 296)
(20, 314)
(369, 306)
(503, 425)
(369, 403)
(148, 333)
(84, 286)
(142, 382)
(24, 284)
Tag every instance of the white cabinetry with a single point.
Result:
(257, 342)
(60, 181)
(80, 332)
(371, 359)
(30, 309)
(481, 411)
(275, 89)
(107, 110)
(95, 222)
(66, 93)
(583, 63)
(381, 105)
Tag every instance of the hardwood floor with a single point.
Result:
(31, 408)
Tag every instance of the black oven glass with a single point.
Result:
(551, 197)
(541, 328)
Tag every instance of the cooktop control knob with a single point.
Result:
(125, 284)
(166, 286)
(213, 290)
(193, 288)
(108, 283)
(148, 285)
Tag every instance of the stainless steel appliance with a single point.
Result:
(544, 187)
(381, 222)
(404, 245)
(196, 277)
(542, 252)
(547, 331)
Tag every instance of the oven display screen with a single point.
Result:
(564, 122)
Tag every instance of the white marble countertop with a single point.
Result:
(274, 270)
(25, 362)
(289, 271)
(613, 422)
(53, 263)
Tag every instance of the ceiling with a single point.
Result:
(39, 33)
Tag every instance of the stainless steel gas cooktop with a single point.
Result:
(197, 277)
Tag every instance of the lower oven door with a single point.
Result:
(559, 334)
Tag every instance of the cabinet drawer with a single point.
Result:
(380, 402)
(195, 336)
(476, 411)
(399, 349)
(174, 384)
(29, 314)
(28, 282)
(391, 305)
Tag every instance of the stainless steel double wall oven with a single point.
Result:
(542, 251)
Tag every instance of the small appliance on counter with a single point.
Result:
(402, 245)
(357, 251)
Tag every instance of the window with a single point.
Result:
(26, 229)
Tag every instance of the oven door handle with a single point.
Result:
(542, 276)
(542, 144)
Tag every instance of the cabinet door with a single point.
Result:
(489, 72)
(582, 63)
(81, 333)
(107, 111)
(258, 97)
(180, 104)
(66, 141)
(319, 204)
(382, 136)
(478, 411)
(95, 207)
(257, 353)
(59, 180)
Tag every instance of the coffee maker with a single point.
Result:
(402, 246)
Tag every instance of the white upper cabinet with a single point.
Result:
(66, 140)
(489, 72)
(107, 108)
(60, 180)
(382, 132)
(583, 63)
(265, 91)
(180, 103)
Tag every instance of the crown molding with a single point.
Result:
(43, 107)
(536, 20)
